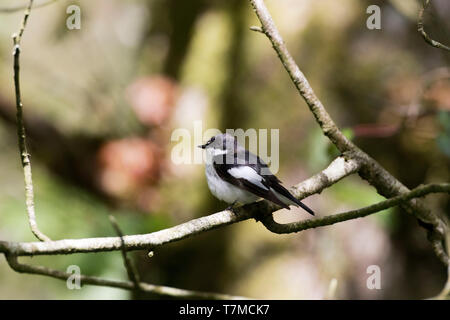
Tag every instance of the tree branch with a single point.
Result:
(421, 29)
(127, 285)
(337, 170)
(24, 155)
(133, 275)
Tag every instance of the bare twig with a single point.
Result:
(127, 285)
(256, 29)
(133, 275)
(421, 29)
(24, 155)
(445, 292)
(326, 123)
(19, 8)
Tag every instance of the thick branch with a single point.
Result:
(421, 29)
(337, 170)
(24, 155)
(354, 214)
(127, 285)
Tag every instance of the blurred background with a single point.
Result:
(101, 104)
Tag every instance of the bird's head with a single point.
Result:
(220, 145)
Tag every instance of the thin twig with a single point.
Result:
(127, 285)
(19, 8)
(445, 292)
(421, 29)
(133, 275)
(24, 155)
(325, 121)
(256, 29)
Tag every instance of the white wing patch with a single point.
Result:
(249, 174)
(219, 152)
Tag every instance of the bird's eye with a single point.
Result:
(211, 140)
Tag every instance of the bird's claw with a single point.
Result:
(232, 208)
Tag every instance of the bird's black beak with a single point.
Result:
(203, 146)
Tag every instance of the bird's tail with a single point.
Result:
(292, 201)
(305, 207)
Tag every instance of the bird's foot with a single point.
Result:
(232, 207)
(261, 215)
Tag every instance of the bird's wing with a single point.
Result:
(244, 173)
(270, 180)
(246, 178)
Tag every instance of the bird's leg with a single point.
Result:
(231, 207)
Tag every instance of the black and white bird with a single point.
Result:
(235, 175)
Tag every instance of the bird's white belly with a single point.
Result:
(226, 191)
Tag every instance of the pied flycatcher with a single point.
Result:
(235, 175)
